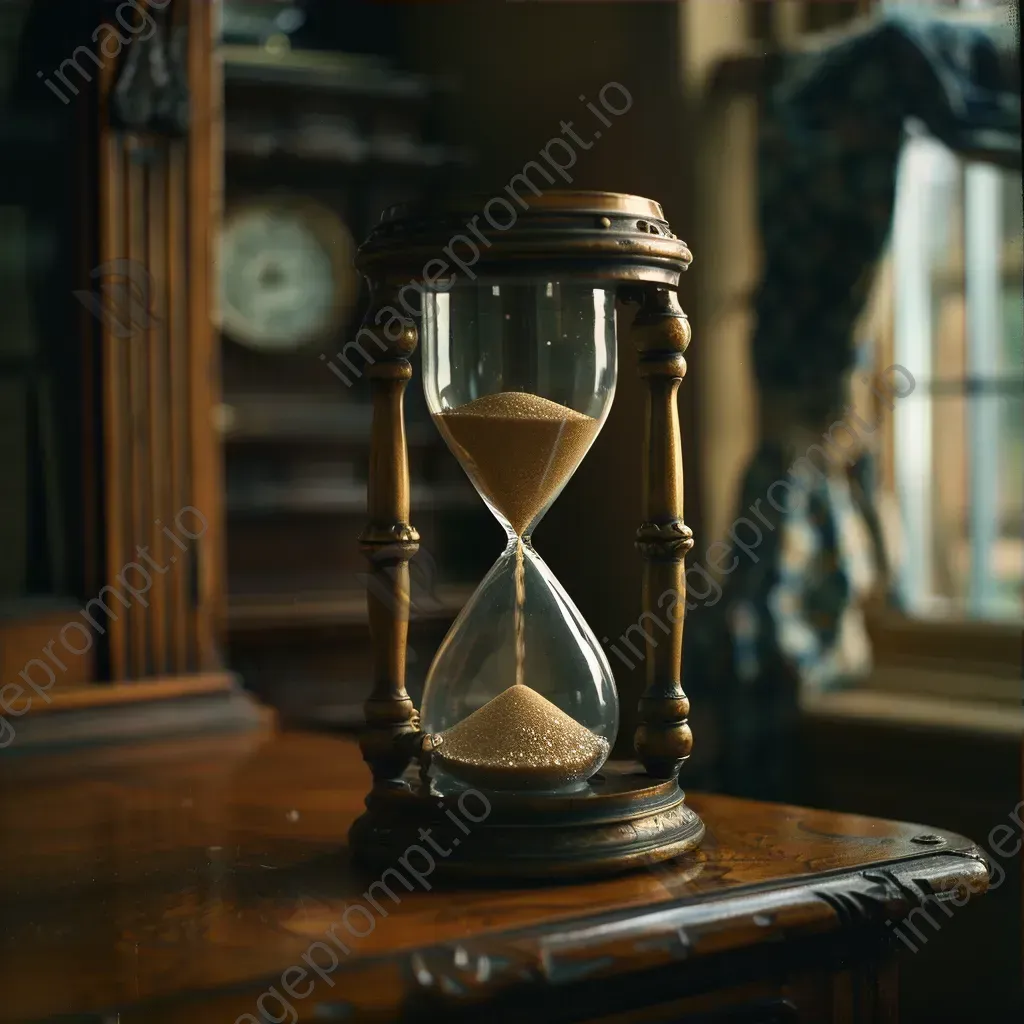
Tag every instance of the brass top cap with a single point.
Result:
(561, 200)
(602, 236)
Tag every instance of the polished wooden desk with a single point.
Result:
(186, 882)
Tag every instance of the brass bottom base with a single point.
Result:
(622, 820)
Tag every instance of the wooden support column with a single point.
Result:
(661, 333)
(389, 541)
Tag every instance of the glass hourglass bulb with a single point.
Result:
(519, 377)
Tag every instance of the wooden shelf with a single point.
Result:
(325, 71)
(259, 419)
(254, 612)
(285, 146)
(287, 499)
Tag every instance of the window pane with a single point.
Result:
(1012, 274)
(953, 563)
(957, 322)
(1006, 560)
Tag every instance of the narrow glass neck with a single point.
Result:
(514, 540)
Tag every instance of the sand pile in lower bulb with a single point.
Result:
(520, 740)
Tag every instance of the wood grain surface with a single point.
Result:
(178, 881)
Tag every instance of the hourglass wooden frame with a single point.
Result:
(629, 815)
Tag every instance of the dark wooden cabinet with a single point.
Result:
(112, 518)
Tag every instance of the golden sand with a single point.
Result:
(519, 449)
(520, 740)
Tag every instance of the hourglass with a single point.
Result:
(519, 376)
(520, 710)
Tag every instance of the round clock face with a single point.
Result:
(286, 275)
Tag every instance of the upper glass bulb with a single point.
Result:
(519, 377)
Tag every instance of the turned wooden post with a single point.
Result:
(661, 333)
(391, 735)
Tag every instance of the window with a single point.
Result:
(955, 457)
(950, 480)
